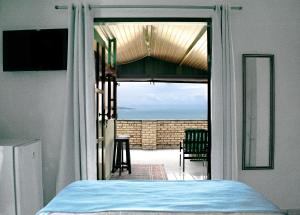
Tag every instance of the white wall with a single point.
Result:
(32, 102)
(109, 147)
(273, 26)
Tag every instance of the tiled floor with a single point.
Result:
(194, 170)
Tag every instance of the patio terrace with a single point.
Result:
(194, 170)
(157, 142)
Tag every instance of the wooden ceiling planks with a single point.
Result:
(166, 41)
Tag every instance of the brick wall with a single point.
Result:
(132, 128)
(156, 134)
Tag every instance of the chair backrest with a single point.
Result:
(195, 141)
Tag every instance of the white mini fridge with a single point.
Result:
(21, 189)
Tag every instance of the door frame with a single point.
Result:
(209, 57)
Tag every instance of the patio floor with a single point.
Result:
(194, 170)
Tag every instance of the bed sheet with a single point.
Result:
(165, 213)
(159, 198)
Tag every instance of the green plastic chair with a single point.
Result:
(194, 146)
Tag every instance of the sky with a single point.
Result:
(161, 95)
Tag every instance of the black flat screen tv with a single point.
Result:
(35, 50)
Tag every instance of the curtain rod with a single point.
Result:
(213, 7)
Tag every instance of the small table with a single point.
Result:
(118, 157)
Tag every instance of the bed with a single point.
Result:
(116, 197)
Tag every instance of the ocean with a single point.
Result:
(162, 114)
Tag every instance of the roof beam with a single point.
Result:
(197, 38)
(147, 38)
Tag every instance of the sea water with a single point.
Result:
(162, 114)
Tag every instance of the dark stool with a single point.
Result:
(118, 157)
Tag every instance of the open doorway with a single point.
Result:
(155, 116)
(160, 51)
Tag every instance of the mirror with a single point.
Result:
(258, 111)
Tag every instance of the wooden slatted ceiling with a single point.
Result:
(165, 41)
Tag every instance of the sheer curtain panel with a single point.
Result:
(78, 146)
(224, 137)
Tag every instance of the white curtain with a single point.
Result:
(78, 146)
(224, 136)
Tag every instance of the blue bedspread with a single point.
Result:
(161, 196)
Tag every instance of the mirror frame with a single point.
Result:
(271, 111)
